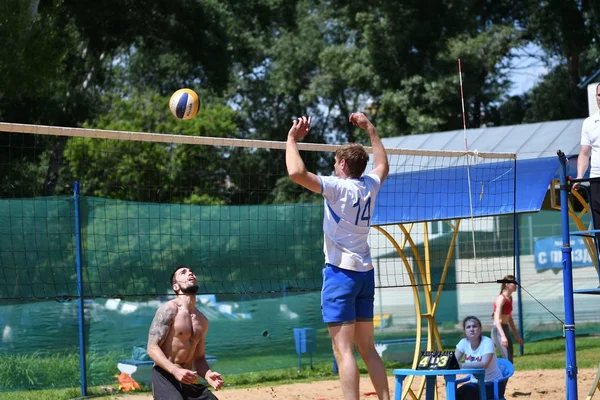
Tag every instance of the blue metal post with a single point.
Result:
(80, 311)
(571, 359)
(518, 276)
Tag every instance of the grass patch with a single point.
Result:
(37, 371)
(550, 354)
(547, 354)
(48, 394)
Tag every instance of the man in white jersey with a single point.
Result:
(590, 146)
(348, 278)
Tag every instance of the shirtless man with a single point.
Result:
(176, 343)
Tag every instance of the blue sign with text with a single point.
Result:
(548, 253)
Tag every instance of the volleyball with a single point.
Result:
(184, 104)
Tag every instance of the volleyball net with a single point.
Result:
(125, 208)
(146, 203)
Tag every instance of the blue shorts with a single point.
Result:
(347, 295)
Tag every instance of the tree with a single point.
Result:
(511, 112)
(43, 83)
(153, 172)
(259, 64)
(71, 52)
(567, 32)
(547, 97)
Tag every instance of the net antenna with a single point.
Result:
(464, 118)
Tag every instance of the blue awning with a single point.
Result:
(443, 193)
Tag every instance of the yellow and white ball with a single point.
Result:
(184, 104)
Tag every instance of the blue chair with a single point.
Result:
(507, 370)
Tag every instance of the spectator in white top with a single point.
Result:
(348, 279)
(479, 352)
(590, 147)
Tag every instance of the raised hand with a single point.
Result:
(300, 128)
(360, 120)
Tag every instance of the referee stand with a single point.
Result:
(591, 237)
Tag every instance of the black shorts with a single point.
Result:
(166, 387)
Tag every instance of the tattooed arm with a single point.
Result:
(159, 329)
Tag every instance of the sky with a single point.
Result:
(526, 69)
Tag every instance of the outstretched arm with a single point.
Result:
(381, 167)
(295, 166)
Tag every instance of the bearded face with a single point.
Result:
(190, 289)
(185, 281)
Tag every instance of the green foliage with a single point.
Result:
(286, 191)
(553, 90)
(115, 168)
(258, 64)
(32, 62)
(567, 32)
(422, 101)
(511, 112)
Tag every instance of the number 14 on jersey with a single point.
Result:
(363, 212)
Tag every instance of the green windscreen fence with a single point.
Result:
(37, 248)
(40, 345)
(259, 269)
(130, 248)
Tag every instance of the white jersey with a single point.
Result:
(590, 136)
(349, 206)
(486, 346)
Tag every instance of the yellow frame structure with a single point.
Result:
(423, 266)
(595, 386)
(432, 297)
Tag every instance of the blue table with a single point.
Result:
(430, 377)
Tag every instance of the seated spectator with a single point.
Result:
(479, 352)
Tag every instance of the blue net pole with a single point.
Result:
(518, 276)
(569, 328)
(80, 312)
